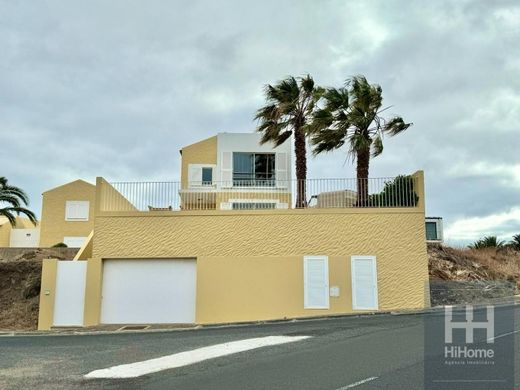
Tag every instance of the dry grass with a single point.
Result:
(474, 264)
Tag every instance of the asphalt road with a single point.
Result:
(386, 350)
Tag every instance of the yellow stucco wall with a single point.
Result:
(5, 232)
(203, 152)
(109, 199)
(237, 289)
(250, 263)
(47, 293)
(54, 227)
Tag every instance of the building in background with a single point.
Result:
(434, 233)
(23, 235)
(259, 175)
(67, 214)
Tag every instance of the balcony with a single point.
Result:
(403, 191)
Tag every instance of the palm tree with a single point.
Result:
(487, 242)
(14, 198)
(515, 242)
(352, 115)
(290, 106)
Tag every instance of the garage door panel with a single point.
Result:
(145, 291)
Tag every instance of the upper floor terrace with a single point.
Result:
(405, 191)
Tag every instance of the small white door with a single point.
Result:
(364, 283)
(69, 299)
(148, 291)
(316, 282)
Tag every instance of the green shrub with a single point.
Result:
(399, 192)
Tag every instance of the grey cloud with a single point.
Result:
(115, 88)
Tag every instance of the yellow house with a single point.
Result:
(67, 214)
(232, 171)
(227, 244)
(23, 235)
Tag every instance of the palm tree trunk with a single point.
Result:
(301, 168)
(363, 161)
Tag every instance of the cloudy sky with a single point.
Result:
(116, 88)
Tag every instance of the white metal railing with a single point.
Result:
(400, 191)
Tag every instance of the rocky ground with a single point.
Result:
(20, 287)
(459, 276)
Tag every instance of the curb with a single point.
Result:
(431, 310)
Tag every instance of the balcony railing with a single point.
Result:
(400, 191)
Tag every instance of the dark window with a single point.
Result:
(207, 176)
(253, 205)
(431, 231)
(253, 169)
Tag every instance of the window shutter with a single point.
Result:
(226, 169)
(316, 282)
(194, 175)
(77, 210)
(281, 170)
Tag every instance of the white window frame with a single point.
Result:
(438, 227)
(75, 203)
(200, 183)
(306, 304)
(353, 279)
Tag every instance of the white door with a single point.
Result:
(69, 299)
(364, 283)
(148, 291)
(316, 282)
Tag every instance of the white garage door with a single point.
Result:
(149, 291)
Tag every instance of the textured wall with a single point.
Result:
(237, 289)
(53, 224)
(241, 254)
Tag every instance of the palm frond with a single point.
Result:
(307, 84)
(377, 146)
(12, 200)
(9, 212)
(10, 216)
(15, 197)
(327, 140)
(396, 125)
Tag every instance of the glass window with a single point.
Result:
(253, 169)
(431, 231)
(207, 176)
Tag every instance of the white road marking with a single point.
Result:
(134, 370)
(502, 335)
(355, 384)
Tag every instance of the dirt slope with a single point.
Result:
(447, 263)
(20, 288)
